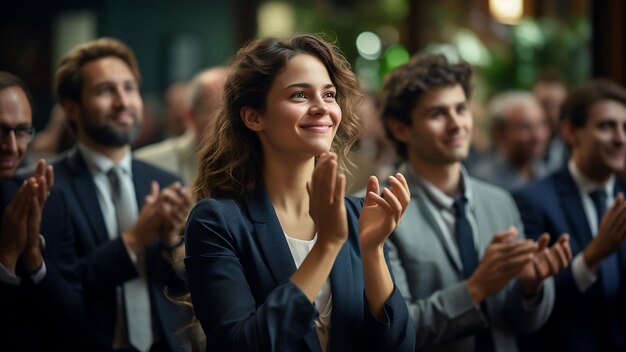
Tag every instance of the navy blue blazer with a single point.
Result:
(238, 266)
(44, 316)
(104, 264)
(579, 322)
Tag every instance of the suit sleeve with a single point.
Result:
(534, 217)
(224, 302)
(396, 331)
(58, 297)
(61, 283)
(520, 315)
(446, 314)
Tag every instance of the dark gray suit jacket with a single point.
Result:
(104, 264)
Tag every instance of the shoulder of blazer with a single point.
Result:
(540, 190)
(155, 172)
(229, 211)
(71, 163)
(488, 191)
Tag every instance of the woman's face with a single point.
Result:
(301, 114)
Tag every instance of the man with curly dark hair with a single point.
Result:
(470, 279)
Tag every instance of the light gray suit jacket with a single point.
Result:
(431, 279)
(175, 154)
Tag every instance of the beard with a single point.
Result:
(108, 133)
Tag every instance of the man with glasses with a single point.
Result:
(39, 293)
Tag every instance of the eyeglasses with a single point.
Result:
(23, 134)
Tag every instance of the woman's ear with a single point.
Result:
(251, 118)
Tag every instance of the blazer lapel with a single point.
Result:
(271, 240)
(423, 212)
(572, 206)
(85, 190)
(270, 235)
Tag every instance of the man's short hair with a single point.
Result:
(549, 76)
(579, 101)
(68, 81)
(501, 103)
(8, 80)
(405, 86)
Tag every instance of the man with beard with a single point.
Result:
(39, 291)
(126, 227)
(586, 199)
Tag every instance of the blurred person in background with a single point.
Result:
(520, 135)
(374, 155)
(585, 199)
(56, 138)
(176, 106)
(177, 154)
(40, 294)
(550, 90)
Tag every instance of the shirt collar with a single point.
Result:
(436, 196)
(585, 185)
(99, 163)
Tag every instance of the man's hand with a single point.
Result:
(14, 231)
(611, 234)
(163, 215)
(175, 204)
(546, 262)
(503, 261)
(44, 178)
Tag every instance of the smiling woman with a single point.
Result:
(277, 258)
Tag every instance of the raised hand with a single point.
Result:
(148, 223)
(380, 215)
(14, 231)
(546, 262)
(610, 235)
(174, 204)
(163, 215)
(504, 259)
(326, 191)
(43, 181)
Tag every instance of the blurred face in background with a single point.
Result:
(525, 133)
(208, 99)
(550, 95)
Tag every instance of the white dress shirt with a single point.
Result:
(323, 301)
(583, 276)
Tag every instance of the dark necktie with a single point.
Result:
(465, 238)
(609, 270)
(135, 291)
(469, 258)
